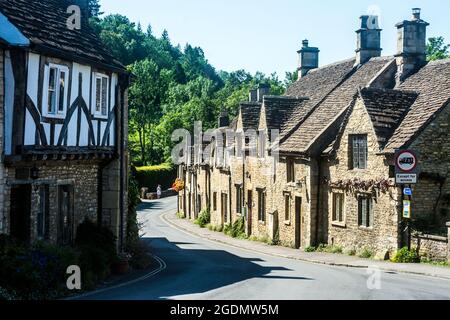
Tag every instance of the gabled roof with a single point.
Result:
(44, 24)
(250, 112)
(279, 109)
(386, 109)
(334, 104)
(432, 82)
(316, 85)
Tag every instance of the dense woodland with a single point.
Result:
(173, 86)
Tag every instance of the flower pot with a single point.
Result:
(121, 267)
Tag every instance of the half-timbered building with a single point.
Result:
(65, 116)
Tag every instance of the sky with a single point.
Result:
(264, 35)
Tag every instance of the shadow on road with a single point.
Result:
(194, 269)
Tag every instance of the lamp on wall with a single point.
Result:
(34, 173)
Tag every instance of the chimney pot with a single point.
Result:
(253, 95)
(308, 58)
(416, 13)
(263, 90)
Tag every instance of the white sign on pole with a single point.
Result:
(406, 178)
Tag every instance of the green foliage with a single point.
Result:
(437, 49)
(351, 252)
(172, 87)
(366, 253)
(98, 251)
(238, 229)
(310, 249)
(151, 176)
(406, 256)
(33, 273)
(203, 219)
(329, 249)
(227, 229)
(181, 215)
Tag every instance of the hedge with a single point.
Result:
(151, 176)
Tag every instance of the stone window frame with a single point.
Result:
(370, 219)
(334, 222)
(290, 170)
(239, 197)
(215, 201)
(365, 152)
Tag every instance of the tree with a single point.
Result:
(436, 49)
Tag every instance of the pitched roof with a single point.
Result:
(44, 23)
(302, 136)
(316, 85)
(279, 109)
(386, 109)
(250, 112)
(432, 82)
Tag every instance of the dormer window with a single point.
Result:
(100, 95)
(55, 91)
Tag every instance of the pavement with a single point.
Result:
(197, 264)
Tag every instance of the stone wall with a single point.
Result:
(382, 237)
(2, 170)
(448, 242)
(432, 194)
(431, 247)
(83, 177)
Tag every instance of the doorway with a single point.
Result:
(66, 230)
(298, 222)
(20, 212)
(249, 212)
(224, 208)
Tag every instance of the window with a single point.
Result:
(238, 198)
(358, 145)
(287, 207)
(290, 169)
(100, 94)
(215, 201)
(43, 213)
(365, 211)
(261, 205)
(55, 91)
(338, 207)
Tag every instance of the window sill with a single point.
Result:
(339, 224)
(262, 223)
(54, 116)
(365, 228)
(287, 223)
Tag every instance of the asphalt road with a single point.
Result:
(194, 268)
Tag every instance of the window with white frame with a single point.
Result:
(100, 95)
(56, 85)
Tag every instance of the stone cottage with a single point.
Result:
(326, 176)
(65, 125)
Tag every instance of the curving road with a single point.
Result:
(194, 268)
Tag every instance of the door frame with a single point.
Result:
(298, 222)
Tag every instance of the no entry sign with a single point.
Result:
(406, 167)
(406, 161)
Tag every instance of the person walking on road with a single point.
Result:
(158, 191)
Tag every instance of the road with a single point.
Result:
(198, 269)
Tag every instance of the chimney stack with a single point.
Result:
(308, 59)
(411, 46)
(263, 90)
(253, 95)
(224, 120)
(368, 39)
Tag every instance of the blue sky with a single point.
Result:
(264, 35)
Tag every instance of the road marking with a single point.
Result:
(162, 267)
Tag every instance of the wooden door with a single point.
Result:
(249, 212)
(298, 222)
(66, 230)
(20, 212)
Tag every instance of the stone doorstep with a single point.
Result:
(316, 257)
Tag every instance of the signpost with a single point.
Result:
(406, 164)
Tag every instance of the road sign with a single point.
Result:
(407, 191)
(405, 161)
(406, 178)
(407, 209)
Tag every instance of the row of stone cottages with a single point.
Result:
(339, 127)
(63, 125)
